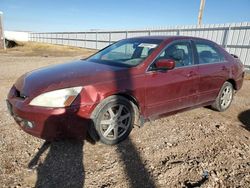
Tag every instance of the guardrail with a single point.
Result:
(234, 37)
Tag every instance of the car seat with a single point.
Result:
(205, 57)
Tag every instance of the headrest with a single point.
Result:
(178, 54)
(206, 54)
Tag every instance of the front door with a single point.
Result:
(175, 89)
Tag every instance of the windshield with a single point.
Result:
(127, 52)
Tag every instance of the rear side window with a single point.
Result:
(207, 53)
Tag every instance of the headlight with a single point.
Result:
(57, 98)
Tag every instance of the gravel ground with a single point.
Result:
(200, 147)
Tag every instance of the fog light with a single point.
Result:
(24, 123)
(28, 124)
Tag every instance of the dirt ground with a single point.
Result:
(197, 148)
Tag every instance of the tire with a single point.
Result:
(224, 98)
(114, 118)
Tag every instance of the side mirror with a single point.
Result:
(165, 64)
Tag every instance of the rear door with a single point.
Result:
(212, 68)
(172, 90)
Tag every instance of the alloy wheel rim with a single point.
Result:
(115, 122)
(226, 97)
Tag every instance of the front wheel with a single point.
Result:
(225, 97)
(114, 119)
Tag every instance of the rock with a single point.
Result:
(169, 144)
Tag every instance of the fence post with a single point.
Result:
(85, 40)
(109, 37)
(57, 40)
(149, 32)
(225, 37)
(178, 32)
(96, 40)
(126, 34)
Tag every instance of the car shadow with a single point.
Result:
(244, 118)
(63, 164)
(135, 169)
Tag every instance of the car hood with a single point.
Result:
(78, 73)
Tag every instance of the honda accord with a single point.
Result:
(123, 85)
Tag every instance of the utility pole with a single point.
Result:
(202, 5)
(2, 40)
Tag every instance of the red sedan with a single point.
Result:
(124, 84)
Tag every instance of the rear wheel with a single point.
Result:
(225, 97)
(114, 119)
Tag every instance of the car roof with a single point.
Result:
(162, 37)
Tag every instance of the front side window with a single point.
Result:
(128, 52)
(207, 53)
(180, 52)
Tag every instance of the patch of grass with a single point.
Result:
(46, 50)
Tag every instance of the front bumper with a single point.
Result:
(50, 123)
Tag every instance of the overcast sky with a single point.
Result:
(80, 15)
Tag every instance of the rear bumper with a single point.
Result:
(51, 123)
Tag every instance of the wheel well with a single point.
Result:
(129, 97)
(232, 81)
